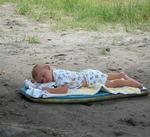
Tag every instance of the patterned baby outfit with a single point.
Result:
(74, 79)
(94, 76)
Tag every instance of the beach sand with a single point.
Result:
(109, 51)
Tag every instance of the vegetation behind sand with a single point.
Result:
(88, 14)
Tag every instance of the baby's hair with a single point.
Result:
(34, 71)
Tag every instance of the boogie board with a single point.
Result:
(100, 96)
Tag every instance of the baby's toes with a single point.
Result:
(123, 74)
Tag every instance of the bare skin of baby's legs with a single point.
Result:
(121, 79)
(119, 75)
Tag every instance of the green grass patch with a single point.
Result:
(87, 14)
(33, 39)
(3, 1)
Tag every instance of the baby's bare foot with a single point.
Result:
(124, 75)
(135, 83)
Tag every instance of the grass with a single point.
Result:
(87, 14)
(33, 40)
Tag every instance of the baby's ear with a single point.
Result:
(47, 66)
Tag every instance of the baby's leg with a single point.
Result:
(129, 78)
(119, 75)
(122, 82)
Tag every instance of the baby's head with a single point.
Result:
(42, 73)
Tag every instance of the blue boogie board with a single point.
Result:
(100, 96)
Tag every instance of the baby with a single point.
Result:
(65, 79)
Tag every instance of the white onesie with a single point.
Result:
(74, 79)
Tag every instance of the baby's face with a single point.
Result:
(44, 75)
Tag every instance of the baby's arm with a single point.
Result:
(84, 83)
(58, 90)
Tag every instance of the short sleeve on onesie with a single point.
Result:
(71, 78)
(60, 77)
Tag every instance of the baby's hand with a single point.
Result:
(65, 87)
(58, 90)
(84, 84)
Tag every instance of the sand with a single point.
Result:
(108, 51)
